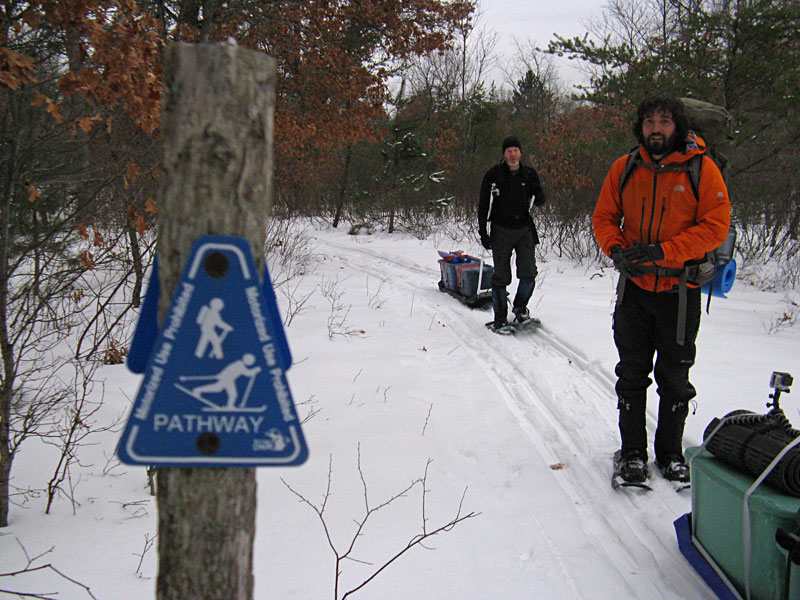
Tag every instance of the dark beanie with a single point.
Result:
(511, 141)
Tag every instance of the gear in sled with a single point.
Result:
(466, 278)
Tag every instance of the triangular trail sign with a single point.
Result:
(214, 391)
(146, 331)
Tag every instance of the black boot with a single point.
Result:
(633, 467)
(500, 306)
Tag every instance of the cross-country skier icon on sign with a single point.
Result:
(213, 329)
(225, 382)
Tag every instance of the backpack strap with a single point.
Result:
(692, 166)
(680, 334)
(695, 166)
(633, 160)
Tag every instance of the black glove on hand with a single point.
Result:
(486, 241)
(623, 265)
(643, 253)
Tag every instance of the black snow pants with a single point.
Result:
(644, 326)
(505, 241)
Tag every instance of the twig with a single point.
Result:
(427, 419)
(375, 302)
(295, 304)
(111, 463)
(369, 510)
(35, 558)
(148, 543)
(30, 569)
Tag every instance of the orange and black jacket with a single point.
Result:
(660, 207)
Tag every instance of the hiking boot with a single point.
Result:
(633, 468)
(521, 314)
(675, 469)
(498, 323)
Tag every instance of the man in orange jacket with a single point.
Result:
(652, 221)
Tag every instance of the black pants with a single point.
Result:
(505, 241)
(644, 326)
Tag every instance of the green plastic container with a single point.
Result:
(718, 527)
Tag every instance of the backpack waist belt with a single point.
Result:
(681, 274)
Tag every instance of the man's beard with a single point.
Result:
(660, 146)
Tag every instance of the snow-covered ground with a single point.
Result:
(402, 382)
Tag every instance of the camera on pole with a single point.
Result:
(780, 382)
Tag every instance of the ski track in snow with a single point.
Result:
(564, 404)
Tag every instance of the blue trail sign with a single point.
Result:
(214, 391)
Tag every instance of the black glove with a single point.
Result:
(622, 264)
(643, 253)
(486, 241)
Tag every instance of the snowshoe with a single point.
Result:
(521, 315)
(513, 327)
(676, 471)
(526, 323)
(501, 327)
(629, 472)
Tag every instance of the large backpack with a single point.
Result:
(715, 125)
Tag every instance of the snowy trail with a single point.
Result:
(564, 404)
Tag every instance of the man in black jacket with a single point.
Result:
(508, 193)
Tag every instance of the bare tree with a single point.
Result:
(344, 552)
(453, 77)
(529, 58)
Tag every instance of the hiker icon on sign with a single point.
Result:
(225, 382)
(213, 329)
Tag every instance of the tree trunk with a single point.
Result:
(217, 131)
(208, 19)
(7, 174)
(138, 265)
(206, 527)
(348, 156)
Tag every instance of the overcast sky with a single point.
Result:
(536, 21)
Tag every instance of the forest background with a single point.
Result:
(384, 119)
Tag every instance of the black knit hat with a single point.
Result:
(511, 141)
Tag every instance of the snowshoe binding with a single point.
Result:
(521, 315)
(501, 326)
(522, 320)
(676, 471)
(630, 471)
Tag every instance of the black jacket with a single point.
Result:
(509, 197)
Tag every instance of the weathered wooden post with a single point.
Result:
(217, 160)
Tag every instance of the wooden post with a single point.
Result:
(217, 159)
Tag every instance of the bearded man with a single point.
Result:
(653, 223)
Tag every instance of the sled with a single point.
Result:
(466, 278)
(701, 562)
(474, 301)
(732, 537)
